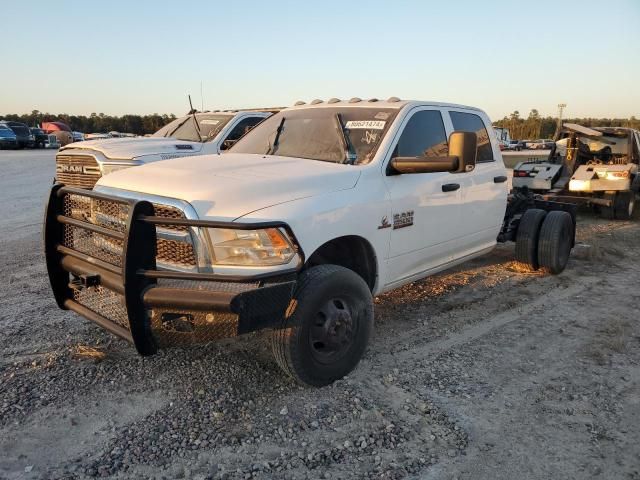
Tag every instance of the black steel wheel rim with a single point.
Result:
(333, 331)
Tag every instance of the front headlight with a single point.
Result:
(261, 248)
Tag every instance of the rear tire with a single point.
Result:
(556, 241)
(527, 239)
(327, 327)
(624, 204)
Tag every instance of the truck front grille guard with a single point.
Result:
(101, 259)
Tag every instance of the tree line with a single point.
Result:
(535, 126)
(531, 128)
(97, 122)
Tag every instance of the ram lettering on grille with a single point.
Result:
(80, 171)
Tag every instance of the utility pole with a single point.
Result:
(561, 107)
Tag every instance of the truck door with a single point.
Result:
(425, 206)
(483, 191)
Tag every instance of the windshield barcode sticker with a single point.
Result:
(365, 124)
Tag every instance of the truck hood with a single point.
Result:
(130, 148)
(232, 185)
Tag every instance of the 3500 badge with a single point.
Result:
(401, 220)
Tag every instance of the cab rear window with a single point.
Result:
(468, 122)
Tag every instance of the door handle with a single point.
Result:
(450, 187)
(499, 179)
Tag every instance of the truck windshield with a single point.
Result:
(315, 134)
(184, 128)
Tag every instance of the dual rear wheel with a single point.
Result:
(544, 240)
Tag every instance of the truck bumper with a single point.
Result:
(101, 260)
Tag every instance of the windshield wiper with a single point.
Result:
(273, 148)
(195, 120)
(350, 155)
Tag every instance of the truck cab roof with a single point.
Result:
(392, 102)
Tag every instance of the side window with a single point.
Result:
(424, 135)
(468, 122)
(244, 126)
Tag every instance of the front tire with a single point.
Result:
(327, 328)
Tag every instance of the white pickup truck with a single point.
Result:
(81, 164)
(307, 218)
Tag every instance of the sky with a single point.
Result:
(141, 57)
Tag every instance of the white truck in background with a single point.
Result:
(81, 164)
(317, 210)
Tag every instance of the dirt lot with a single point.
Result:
(482, 372)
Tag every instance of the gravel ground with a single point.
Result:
(481, 372)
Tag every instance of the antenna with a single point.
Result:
(201, 98)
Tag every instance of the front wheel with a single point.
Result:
(327, 327)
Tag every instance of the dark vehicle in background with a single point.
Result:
(7, 137)
(23, 134)
(39, 137)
